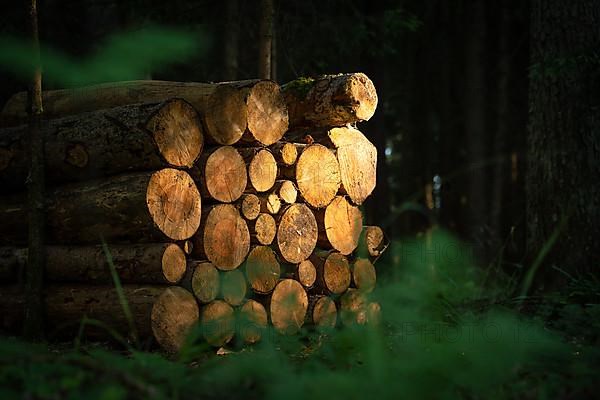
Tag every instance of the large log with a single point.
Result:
(262, 269)
(252, 321)
(66, 305)
(222, 174)
(229, 110)
(135, 263)
(333, 272)
(141, 207)
(297, 233)
(288, 306)
(317, 174)
(217, 323)
(223, 239)
(330, 100)
(340, 225)
(174, 314)
(138, 137)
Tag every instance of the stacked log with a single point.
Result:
(244, 194)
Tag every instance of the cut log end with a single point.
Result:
(226, 116)
(225, 176)
(226, 239)
(307, 273)
(336, 273)
(205, 282)
(341, 225)
(253, 321)
(297, 233)
(288, 308)
(262, 171)
(173, 263)
(364, 275)
(285, 153)
(264, 229)
(262, 269)
(174, 203)
(356, 309)
(324, 313)
(318, 175)
(374, 240)
(270, 203)
(287, 191)
(362, 89)
(174, 313)
(250, 206)
(177, 132)
(267, 113)
(233, 287)
(217, 323)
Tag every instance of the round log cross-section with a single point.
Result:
(250, 206)
(252, 321)
(174, 203)
(267, 113)
(174, 313)
(364, 275)
(223, 174)
(233, 287)
(318, 175)
(289, 304)
(262, 170)
(173, 263)
(323, 313)
(297, 233)
(205, 281)
(262, 269)
(307, 273)
(333, 272)
(217, 323)
(263, 229)
(340, 226)
(225, 239)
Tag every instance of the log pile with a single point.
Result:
(232, 205)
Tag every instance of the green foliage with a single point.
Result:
(126, 56)
(431, 344)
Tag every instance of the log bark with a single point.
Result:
(66, 305)
(288, 307)
(250, 206)
(252, 321)
(322, 312)
(372, 242)
(263, 230)
(223, 239)
(262, 269)
(340, 225)
(158, 263)
(233, 287)
(222, 174)
(217, 323)
(333, 272)
(206, 281)
(262, 168)
(317, 175)
(285, 153)
(297, 233)
(174, 314)
(331, 100)
(364, 275)
(141, 207)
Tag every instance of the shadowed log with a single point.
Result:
(297, 233)
(222, 174)
(364, 275)
(372, 242)
(250, 206)
(262, 269)
(322, 312)
(206, 281)
(330, 100)
(174, 313)
(288, 306)
(333, 271)
(233, 287)
(252, 321)
(138, 137)
(217, 323)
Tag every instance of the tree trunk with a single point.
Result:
(270, 203)
(141, 207)
(230, 40)
(332, 100)
(131, 138)
(134, 263)
(265, 38)
(340, 225)
(288, 307)
(228, 110)
(262, 269)
(297, 233)
(174, 314)
(223, 239)
(563, 178)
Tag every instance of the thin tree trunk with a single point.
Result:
(230, 40)
(265, 39)
(33, 328)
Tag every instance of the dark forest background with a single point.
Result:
(452, 78)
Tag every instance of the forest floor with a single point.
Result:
(440, 337)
